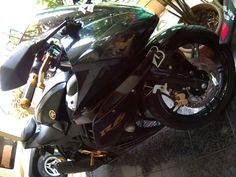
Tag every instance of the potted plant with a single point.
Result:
(205, 14)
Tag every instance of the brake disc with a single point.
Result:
(213, 85)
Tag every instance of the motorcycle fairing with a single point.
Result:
(229, 21)
(101, 78)
(44, 135)
(109, 55)
(53, 99)
(108, 125)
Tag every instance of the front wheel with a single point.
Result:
(185, 107)
(47, 166)
(44, 164)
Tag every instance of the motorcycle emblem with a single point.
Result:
(52, 114)
(113, 125)
(158, 56)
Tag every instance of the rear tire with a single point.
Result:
(220, 97)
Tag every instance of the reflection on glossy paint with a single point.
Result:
(82, 42)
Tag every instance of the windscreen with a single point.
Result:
(96, 19)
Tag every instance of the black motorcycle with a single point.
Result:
(111, 84)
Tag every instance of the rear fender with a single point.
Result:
(159, 42)
(164, 37)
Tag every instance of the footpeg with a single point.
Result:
(93, 154)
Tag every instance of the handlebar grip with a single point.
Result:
(25, 101)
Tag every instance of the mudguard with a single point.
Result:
(165, 36)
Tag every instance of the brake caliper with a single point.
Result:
(180, 99)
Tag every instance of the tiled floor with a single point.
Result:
(206, 152)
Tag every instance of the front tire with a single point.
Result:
(47, 166)
(38, 162)
(200, 109)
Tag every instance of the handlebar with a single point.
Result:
(41, 64)
(31, 84)
(37, 77)
(25, 101)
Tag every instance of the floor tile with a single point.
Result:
(172, 145)
(115, 171)
(231, 112)
(155, 174)
(146, 171)
(212, 137)
(220, 164)
(161, 151)
(128, 171)
(145, 157)
(102, 171)
(225, 134)
(173, 172)
(229, 161)
(190, 169)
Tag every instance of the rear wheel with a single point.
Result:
(186, 107)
